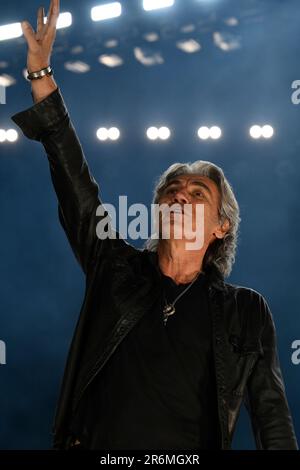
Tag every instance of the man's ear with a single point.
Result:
(221, 230)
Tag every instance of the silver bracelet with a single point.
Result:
(40, 73)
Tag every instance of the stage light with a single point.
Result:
(102, 133)
(7, 80)
(164, 133)
(110, 60)
(11, 135)
(189, 46)
(64, 20)
(106, 11)
(10, 31)
(113, 133)
(77, 66)
(267, 131)
(215, 132)
(152, 133)
(203, 132)
(156, 4)
(255, 132)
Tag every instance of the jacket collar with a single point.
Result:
(131, 259)
(214, 277)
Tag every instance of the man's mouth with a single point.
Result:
(174, 213)
(176, 210)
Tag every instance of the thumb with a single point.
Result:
(28, 34)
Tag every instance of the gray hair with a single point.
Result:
(222, 251)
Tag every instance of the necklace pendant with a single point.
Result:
(168, 310)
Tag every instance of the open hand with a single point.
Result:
(40, 43)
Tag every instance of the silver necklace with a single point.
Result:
(169, 308)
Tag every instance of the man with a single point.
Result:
(164, 351)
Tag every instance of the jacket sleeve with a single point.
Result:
(77, 192)
(265, 397)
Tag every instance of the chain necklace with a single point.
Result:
(169, 308)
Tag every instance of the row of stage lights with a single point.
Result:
(98, 13)
(157, 133)
(204, 132)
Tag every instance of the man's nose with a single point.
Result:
(181, 197)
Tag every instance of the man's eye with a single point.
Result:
(199, 193)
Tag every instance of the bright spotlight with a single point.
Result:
(255, 132)
(267, 131)
(11, 135)
(152, 133)
(203, 132)
(113, 133)
(164, 133)
(106, 11)
(215, 132)
(156, 4)
(64, 20)
(102, 133)
(10, 31)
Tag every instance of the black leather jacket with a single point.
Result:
(122, 284)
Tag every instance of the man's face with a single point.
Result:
(196, 191)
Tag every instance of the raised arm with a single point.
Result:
(48, 121)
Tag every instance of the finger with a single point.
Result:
(53, 13)
(49, 11)
(40, 20)
(29, 35)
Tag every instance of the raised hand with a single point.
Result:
(40, 43)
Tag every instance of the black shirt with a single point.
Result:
(157, 390)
